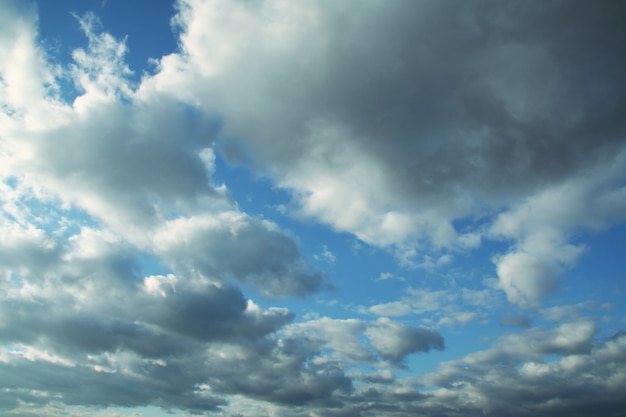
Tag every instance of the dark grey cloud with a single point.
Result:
(512, 378)
(212, 313)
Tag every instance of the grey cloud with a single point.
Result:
(93, 331)
(394, 122)
(30, 246)
(515, 320)
(119, 161)
(79, 322)
(71, 316)
(353, 341)
(381, 377)
(528, 386)
(342, 337)
(411, 117)
(236, 246)
(278, 371)
(508, 379)
(212, 313)
(79, 385)
(394, 340)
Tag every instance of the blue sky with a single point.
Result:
(276, 208)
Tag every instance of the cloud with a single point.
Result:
(343, 337)
(27, 384)
(93, 189)
(278, 371)
(497, 381)
(21, 64)
(393, 308)
(524, 277)
(143, 167)
(394, 340)
(541, 226)
(384, 126)
(512, 378)
(233, 245)
(447, 307)
(515, 320)
(139, 313)
(123, 339)
(125, 163)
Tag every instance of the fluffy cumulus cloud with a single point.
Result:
(234, 245)
(425, 129)
(394, 340)
(354, 341)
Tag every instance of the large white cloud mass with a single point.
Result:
(421, 127)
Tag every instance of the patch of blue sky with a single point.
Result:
(147, 30)
(333, 253)
(16, 279)
(151, 265)
(597, 282)
(50, 215)
(60, 34)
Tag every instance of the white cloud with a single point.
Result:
(393, 308)
(451, 307)
(23, 73)
(326, 256)
(525, 278)
(461, 317)
(342, 336)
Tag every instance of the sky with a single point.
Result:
(277, 208)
